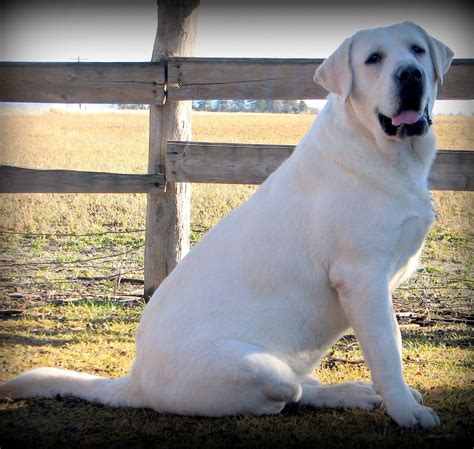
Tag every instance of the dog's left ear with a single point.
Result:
(335, 73)
(441, 54)
(442, 57)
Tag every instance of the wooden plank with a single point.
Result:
(453, 170)
(247, 78)
(168, 218)
(224, 163)
(252, 164)
(189, 78)
(27, 180)
(243, 78)
(98, 82)
(457, 84)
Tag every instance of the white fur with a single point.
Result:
(242, 322)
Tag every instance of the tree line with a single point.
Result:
(276, 106)
(272, 106)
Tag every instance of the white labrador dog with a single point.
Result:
(243, 321)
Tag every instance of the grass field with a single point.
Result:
(66, 319)
(118, 143)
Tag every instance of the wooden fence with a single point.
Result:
(174, 78)
(194, 78)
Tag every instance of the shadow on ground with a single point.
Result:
(71, 423)
(438, 336)
(32, 340)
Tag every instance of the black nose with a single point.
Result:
(409, 73)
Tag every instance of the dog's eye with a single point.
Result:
(374, 58)
(418, 50)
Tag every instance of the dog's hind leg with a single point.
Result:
(230, 377)
(267, 382)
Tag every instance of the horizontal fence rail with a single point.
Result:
(27, 180)
(252, 164)
(229, 78)
(96, 82)
(263, 79)
(187, 79)
(205, 162)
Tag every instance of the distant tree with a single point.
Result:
(288, 106)
(278, 106)
(250, 105)
(269, 106)
(199, 105)
(208, 105)
(302, 107)
(223, 105)
(133, 106)
(259, 106)
(238, 105)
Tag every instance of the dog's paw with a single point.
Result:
(404, 407)
(359, 395)
(416, 395)
(413, 415)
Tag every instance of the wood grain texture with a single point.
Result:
(244, 78)
(458, 83)
(98, 82)
(224, 163)
(265, 79)
(27, 180)
(252, 164)
(188, 78)
(168, 219)
(453, 170)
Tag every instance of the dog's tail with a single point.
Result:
(52, 382)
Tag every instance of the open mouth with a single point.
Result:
(406, 124)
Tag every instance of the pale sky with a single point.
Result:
(119, 30)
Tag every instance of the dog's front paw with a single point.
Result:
(411, 415)
(416, 395)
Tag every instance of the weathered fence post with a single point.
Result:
(168, 213)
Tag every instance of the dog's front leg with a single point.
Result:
(398, 339)
(365, 298)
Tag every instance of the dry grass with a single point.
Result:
(99, 338)
(118, 143)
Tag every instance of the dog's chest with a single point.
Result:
(410, 238)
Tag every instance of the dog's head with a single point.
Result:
(390, 77)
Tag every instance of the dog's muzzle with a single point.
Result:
(406, 124)
(408, 121)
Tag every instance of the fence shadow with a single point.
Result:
(437, 336)
(32, 340)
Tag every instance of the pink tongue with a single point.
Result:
(406, 118)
